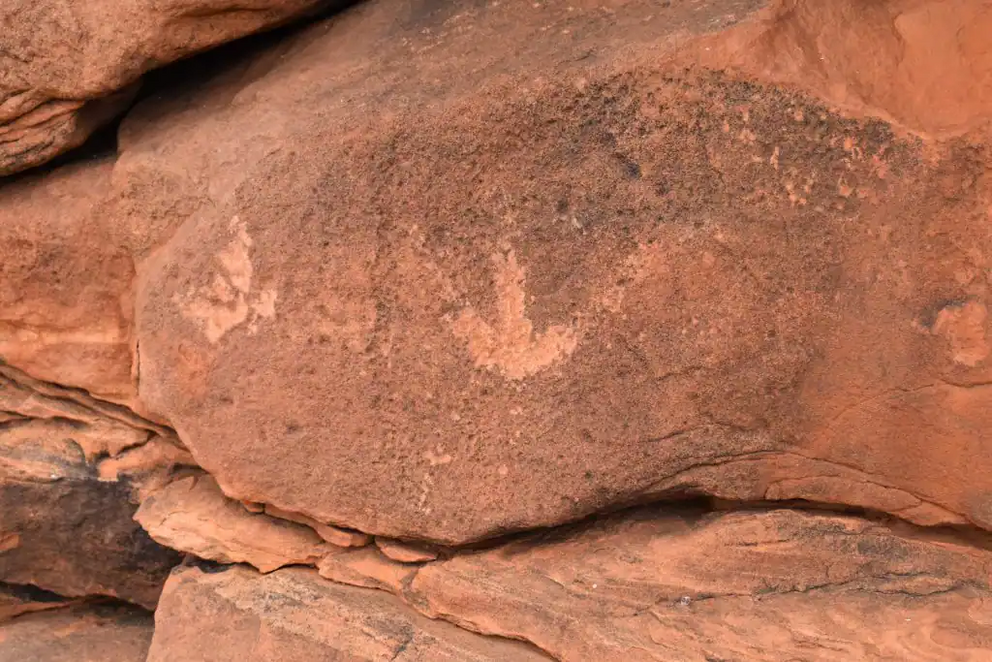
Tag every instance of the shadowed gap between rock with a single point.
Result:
(692, 510)
(29, 593)
(185, 74)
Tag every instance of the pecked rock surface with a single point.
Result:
(424, 275)
(68, 67)
(763, 585)
(432, 290)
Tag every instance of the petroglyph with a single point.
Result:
(963, 326)
(511, 345)
(228, 302)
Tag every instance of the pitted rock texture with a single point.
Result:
(380, 328)
(609, 278)
(67, 67)
(83, 633)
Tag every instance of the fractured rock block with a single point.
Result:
(294, 615)
(367, 568)
(445, 292)
(65, 525)
(773, 585)
(647, 585)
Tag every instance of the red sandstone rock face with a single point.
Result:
(775, 585)
(779, 585)
(423, 275)
(193, 516)
(86, 633)
(923, 66)
(17, 600)
(292, 614)
(67, 67)
(65, 283)
(595, 281)
(69, 470)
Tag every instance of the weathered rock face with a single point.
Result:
(597, 278)
(65, 518)
(921, 65)
(65, 283)
(292, 614)
(86, 633)
(780, 585)
(427, 274)
(774, 585)
(68, 67)
(193, 515)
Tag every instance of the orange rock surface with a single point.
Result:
(762, 585)
(292, 614)
(193, 516)
(65, 522)
(604, 274)
(86, 633)
(66, 67)
(581, 330)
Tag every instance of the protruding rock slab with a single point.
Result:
(67, 67)
(448, 290)
(194, 516)
(772, 586)
(332, 534)
(85, 633)
(293, 615)
(405, 552)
